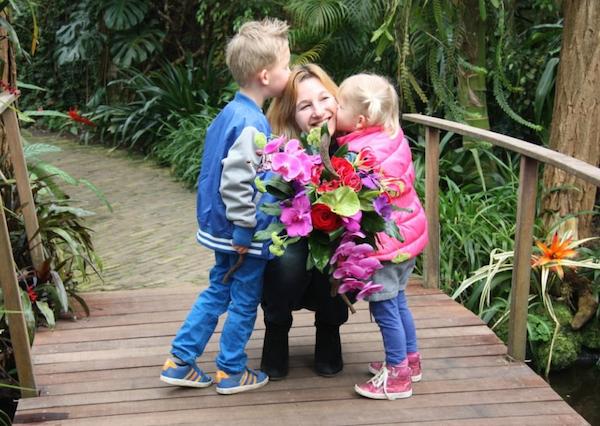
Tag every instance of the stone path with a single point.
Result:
(149, 238)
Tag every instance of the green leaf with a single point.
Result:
(279, 188)
(22, 85)
(265, 234)
(392, 230)
(372, 222)
(46, 312)
(543, 91)
(45, 113)
(343, 201)
(319, 253)
(274, 209)
(124, 14)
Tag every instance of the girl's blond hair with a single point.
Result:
(257, 45)
(282, 112)
(374, 97)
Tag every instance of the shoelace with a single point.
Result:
(380, 380)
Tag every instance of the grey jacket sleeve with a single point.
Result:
(237, 180)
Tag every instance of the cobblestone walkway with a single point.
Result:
(149, 238)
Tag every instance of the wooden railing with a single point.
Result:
(8, 280)
(531, 156)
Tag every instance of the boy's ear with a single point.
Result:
(263, 77)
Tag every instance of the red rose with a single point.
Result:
(315, 174)
(324, 219)
(342, 166)
(353, 181)
(328, 186)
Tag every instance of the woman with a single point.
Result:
(308, 101)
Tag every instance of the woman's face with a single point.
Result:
(315, 105)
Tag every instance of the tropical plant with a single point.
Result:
(182, 147)
(495, 279)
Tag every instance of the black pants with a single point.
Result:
(288, 286)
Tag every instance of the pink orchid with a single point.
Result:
(368, 289)
(274, 145)
(296, 217)
(349, 285)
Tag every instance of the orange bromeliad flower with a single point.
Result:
(553, 256)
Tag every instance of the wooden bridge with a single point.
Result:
(104, 369)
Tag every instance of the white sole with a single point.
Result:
(231, 391)
(413, 379)
(391, 396)
(186, 383)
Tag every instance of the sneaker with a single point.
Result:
(248, 379)
(391, 382)
(414, 362)
(184, 375)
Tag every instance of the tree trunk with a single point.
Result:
(575, 129)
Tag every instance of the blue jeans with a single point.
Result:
(397, 327)
(239, 297)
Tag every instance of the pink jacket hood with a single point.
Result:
(393, 153)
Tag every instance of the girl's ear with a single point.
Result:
(362, 122)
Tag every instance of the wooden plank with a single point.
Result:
(19, 335)
(521, 276)
(532, 420)
(352, 411)
(579, 168)
(349, 331)
(432, 186)
(302, 390)
(148, 378)
(453, 313)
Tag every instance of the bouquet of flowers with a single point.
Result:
(338, 203)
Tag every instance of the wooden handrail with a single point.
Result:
(579, 168)
(531, 155)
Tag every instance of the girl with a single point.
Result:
(368, 109)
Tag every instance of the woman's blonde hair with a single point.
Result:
(374, 97)
(282, 112)
(257, 45)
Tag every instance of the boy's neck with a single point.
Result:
(253, 93)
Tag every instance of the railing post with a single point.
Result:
(431, 268)
(12, 303)
(17, 158)
(517, 333)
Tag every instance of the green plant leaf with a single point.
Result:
(265, 234)
(124, 14)
(46, 312)
(319, 253)
(342, 201)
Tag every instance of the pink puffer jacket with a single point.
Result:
(396, 161)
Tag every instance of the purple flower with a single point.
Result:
(383, 207)
(352, 223)
(369, 180)
(368, 289)
(354, 267)
(296, 217)
(294, 163)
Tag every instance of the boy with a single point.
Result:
(258, 58)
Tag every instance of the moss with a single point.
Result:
(590, 334)
(566, 350)
(563, 313)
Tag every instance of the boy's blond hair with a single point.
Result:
(282, 112)
(257, 45)
(374, 97)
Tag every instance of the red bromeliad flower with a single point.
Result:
(75, 116)
(31, 293)
(555, 254)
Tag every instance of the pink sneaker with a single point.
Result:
(414, 362)
(391, 382)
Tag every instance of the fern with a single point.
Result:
(503, 103)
